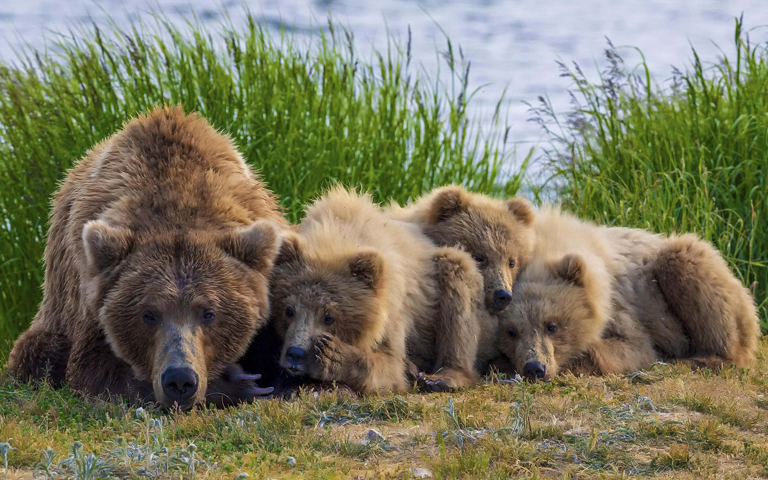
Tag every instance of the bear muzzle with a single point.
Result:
(295, 358)
(534, 371)
(501, 299)
(180, 384)
(180, 371)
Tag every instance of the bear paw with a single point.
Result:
(328, 357)
(234, 386)
(433, 383)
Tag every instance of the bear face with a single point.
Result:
(179, 307)
(553, 318)
(498, 234)
(316, 295)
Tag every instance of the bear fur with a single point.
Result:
(359, 298)
(498, 234)
(160, 247)
(603, 300)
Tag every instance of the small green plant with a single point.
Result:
(5, 447)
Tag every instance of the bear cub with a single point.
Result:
(497, 234)
(603, 300)
(360, 299)
(159, 251)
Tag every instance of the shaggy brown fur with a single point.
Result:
(158, 255)
(496, 233)
(356, 295)
(612, 300)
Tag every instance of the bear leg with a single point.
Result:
(39, 354)
(625, 346)
(459, 293)
(715, 309)
(95, 370)
(363, 371)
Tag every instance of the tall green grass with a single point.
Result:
(691, 156)
(305, 115)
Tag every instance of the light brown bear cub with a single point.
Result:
(609, 300)
(357, 297)
(157, 261)
(496, 233)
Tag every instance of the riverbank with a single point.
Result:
(690, 156)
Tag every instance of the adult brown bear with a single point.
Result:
(159, 251)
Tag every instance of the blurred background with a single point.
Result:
(513, 44)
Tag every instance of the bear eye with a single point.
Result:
(328, 319)
(289, 311)
(149, 318)
(551, 327)
(209, 315)
(478, 258)
(512, 333)
(512, 263)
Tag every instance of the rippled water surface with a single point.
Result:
(512, 44)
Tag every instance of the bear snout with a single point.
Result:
(180, 384)
(534, 371)
(501, 299)
(295, 358)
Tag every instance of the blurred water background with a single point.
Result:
(512, 44)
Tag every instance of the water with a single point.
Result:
(512, 44)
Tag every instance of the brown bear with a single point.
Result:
(496, 233)
(160, 248)
(357, 297)
(609, 300)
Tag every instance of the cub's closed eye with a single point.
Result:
(289, 311)
(478, 258)
(209, 315)
(551, 327)
(328, 319)
(149, 318)
(512, 263)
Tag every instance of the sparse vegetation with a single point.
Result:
(497, 430)
(690, 158)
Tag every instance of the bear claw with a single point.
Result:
(258, 391)
(430, 385)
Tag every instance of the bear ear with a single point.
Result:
(255, 245)
(521, 209)
(290, 250)
(447, 202)
(572, 269)
(368, 267)
(105, 246)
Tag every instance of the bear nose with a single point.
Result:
(501, 299)
(535, 370)
(295, 356)
(179, 384)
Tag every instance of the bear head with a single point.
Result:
(179, 307)
(497, 233)
(315, 293)
(556, 314)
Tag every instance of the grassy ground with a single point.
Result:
(692, 157)
(667, 421)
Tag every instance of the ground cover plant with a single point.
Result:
(688, 157)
